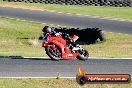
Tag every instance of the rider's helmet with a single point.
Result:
(46, 29)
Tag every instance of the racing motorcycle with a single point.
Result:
(57, 48)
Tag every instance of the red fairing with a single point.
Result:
(61, 43)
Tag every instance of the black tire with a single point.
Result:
(51, 55)
(83, 56)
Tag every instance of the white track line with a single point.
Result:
(32, 21)
(89, 58)
(37, 77)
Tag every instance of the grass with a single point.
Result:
(19, 38)
(114, 12)
(54, 83)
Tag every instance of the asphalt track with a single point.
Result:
(36, 67)
(67, 19)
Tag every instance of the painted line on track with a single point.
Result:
(38, 77)
(89, 58)
(32, 21)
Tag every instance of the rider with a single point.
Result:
(47, 29)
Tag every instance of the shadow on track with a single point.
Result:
(20, 57)
(28, 58)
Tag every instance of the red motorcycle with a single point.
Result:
(57, 48)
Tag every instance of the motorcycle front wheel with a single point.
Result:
(54, 54)
(83, 55)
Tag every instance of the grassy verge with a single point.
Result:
(54, 83)
(115, 12)
(16, 39)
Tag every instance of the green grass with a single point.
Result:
(116, 45)
(17, 39)
(54, 83)
(115, 12)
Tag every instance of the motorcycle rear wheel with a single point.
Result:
(53, 54)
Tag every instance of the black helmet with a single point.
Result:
(46, 29)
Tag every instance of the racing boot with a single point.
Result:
(78, 47)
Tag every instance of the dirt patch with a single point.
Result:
(34, 42)
(125, 46)
(24, 7)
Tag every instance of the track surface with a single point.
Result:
(20, 67)
(67, 20)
